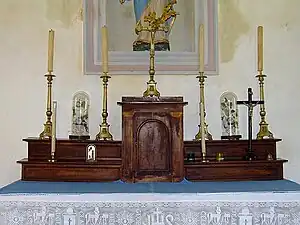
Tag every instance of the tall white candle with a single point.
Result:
(202, 124)
(104, 49)
(53, 139)
(260, 47)
(201, 48)
(230, 117)
(103, 4)
(50, 50)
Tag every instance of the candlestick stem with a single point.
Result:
(47, 132)
(264, 132)
(104, 133)
(151, 84)
(208, 136)
(53, 137)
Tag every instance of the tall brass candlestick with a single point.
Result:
(155, 24)
(151, 84)
(264, 131)
(53, 138)
(104, 133)
(202, 126)
(198, 136)
(47, 132)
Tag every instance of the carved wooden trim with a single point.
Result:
(127, 113)
(176, 114)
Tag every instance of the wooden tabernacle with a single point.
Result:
(152, 149)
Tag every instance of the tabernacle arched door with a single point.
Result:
(152, 150)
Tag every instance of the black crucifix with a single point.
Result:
(250, 155)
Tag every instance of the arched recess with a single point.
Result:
(153, 151)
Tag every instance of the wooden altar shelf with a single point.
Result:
(72, 166)
(235, 170)
(233, 149)
(103, 170)
(72, 150)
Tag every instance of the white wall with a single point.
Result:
(23, 56)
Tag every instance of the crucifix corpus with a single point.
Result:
(250, 155)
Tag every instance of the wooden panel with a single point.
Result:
(235, 171)
(69, 172)
(153, 147)
(233, 149)
(71, 150)
(152, 152)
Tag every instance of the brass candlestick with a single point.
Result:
(264, 131)
(47, 132)
(155, 24)
(151, 84)
(104, 133)
(207, 135)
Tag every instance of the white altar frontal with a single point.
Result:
(151, 209)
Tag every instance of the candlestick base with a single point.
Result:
(47, 132)
(207, 135)
(204, 158)
(151, 89)
(52, 160)
(104, 133)
(264, 132)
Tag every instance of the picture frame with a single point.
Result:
(137, 63)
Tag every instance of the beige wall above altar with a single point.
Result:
(23, 61)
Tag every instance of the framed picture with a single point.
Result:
(125, 57)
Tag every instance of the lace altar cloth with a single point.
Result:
(261, 208)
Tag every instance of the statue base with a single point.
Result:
(143, 46)
(79, 137)
(231, 137)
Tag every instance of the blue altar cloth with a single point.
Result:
(34, 187)
(114, 203)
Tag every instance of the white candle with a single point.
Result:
(53, 139)
(50, 50)
(104, 49)
(201, 48)
(103, 4)
(260, 46)
(230, 118)
(202, 124)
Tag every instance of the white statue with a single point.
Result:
(80, 116)
(229, 115)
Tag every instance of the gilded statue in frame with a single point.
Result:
(177, 51)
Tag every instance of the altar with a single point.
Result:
(152, 147)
